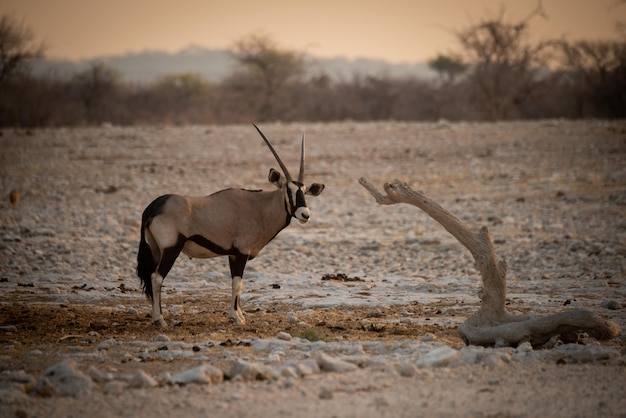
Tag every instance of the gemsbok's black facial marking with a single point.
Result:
(234, 222)
(300, 197)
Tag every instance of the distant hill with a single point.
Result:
(216, 64)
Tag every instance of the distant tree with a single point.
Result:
(377, 96)
(17, 46)
(181, 98)
(317, 98)
(184, 83)
(176, 90)
(599, 69)
(449, 67)
(449, 95)
(267, 69)
(505, 66)
(97, 89)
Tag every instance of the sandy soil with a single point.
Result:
(553, 194)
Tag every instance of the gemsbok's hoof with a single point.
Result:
(160, 323)
(238, 319)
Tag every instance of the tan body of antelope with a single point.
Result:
(233, 222)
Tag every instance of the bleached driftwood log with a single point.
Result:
(492, 325)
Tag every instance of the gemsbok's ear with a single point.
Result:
(275, 178)
(315, 189)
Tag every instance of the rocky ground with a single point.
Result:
(351, 315)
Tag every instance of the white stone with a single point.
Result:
(200, 374)
(63, 379)
(438, 357)
(331, 364)
(284, 336)
(100, 376)
(142, 380)
(406, 369)
(106, 344)
(248, 371)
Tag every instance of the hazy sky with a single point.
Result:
(395, 30)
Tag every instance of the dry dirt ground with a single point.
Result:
(553, 194)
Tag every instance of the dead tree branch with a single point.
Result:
(492, 325)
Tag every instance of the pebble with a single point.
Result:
(107, 344)
(274, 357)
(438, 357)
(63, 379)
(100, 376)
(326, 393)
(525, 347)
(200, 374)
(331, 364)
(406, 369)
(381, 402)
(248, 371)
(301, 369)
(114, 387)
(289, 372)
(611, 304)
(20, 377)
(13, 396)
(284, 336)
(141, 380)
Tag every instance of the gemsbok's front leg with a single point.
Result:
(237, 265)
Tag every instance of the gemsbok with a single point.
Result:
(234, 222)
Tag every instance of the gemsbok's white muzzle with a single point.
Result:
(302, 214)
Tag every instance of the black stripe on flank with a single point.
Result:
(211, 246)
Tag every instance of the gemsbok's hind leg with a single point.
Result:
(237, 265)
(168, 256)
(157, 313)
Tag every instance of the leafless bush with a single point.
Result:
(17, 46)
(597, 74)
(268, 70)
(506, 69)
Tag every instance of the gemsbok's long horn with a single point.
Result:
(301, 174)
(280, 162)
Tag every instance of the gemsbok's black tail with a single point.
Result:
(146, 264)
